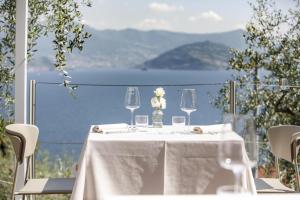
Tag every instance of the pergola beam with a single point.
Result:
(21, 61)
(21, 72)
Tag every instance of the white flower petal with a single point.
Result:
(160, 92)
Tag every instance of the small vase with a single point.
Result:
(157, 118)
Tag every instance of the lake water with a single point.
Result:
(65, 119)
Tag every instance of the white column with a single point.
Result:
(21, 73)
(21, 61)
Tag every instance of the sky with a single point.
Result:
(191, 16)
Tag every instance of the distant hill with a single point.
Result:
(130, 47)
(197, 56)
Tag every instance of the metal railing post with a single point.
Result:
(32, 93)
(232, 97)
(32, 102)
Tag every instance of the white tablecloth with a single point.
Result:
(153, 162)
(282, 196)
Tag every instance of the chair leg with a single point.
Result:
(297, 176)
(277, 167)
(14, 183)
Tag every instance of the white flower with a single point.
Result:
(155, 102)
(163, 103)
(159, 92)
(158, 101)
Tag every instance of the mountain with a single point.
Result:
(129, 47)
(197, 56)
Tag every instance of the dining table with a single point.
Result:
(154, 161)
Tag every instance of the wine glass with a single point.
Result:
(132, 101)
(245, 127)
(230, 156)
(231, 152)
(188, 102)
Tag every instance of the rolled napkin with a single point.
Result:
(110, 128)
(96, 129)
(197, 130)
(216, 128)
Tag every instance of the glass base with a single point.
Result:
(231, 189)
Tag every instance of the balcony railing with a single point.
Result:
(64, 119)
(103, 103)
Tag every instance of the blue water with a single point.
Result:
(63, 118)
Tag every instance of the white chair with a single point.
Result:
(24, 139)
(284, 141)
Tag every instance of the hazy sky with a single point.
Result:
(195, 16)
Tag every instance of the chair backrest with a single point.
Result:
(280, 140)
(295, 141)
(24, 139)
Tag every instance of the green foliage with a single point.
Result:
(7, 170)
(273, 42)
(53, 166)
(7, 164)
(60, 18)
(69, 32)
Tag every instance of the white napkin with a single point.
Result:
(216, 128)
(111, 128)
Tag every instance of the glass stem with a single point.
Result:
(131, 122)
(237, 176)
(189, 119)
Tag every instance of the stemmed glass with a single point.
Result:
(231, 152)
(188, 102)
(245, 127)
(132, 101)
(230, 157)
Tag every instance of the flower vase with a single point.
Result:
(157, 118)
